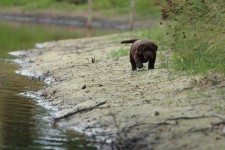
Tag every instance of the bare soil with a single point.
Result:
(100, 96)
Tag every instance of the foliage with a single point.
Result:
(143, 7)
(197, 29)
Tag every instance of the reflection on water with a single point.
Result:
(20, 36)
(25, 125)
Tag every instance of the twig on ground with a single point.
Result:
(166, 121)
(78, 111)
(3, 75)
(149, 123)
(198, 130)
(212, 125)
(187, 118)
(221, 117)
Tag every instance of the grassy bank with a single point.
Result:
(197, 32)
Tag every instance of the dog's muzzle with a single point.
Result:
(148, 56)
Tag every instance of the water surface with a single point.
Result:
(20, 36)
(23, 123)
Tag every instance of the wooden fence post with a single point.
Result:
(89, 18)
(131, 17)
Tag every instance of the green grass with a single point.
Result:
(119, 53)
(143, 7)
(197, 29)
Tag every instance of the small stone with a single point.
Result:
(92, 60)
(217, 138)
(84, 87)
(156, 113)
(99, 85)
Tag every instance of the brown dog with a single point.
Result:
(142, 51)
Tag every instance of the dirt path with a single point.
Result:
(138, 110)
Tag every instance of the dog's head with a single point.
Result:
(147, 50)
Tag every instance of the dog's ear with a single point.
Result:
(154, 46)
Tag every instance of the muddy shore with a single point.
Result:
(141, 110)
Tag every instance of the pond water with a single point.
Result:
(23, 123)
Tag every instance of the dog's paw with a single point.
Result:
(141, 69)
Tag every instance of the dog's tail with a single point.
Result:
(129, 41)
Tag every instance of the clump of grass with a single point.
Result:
(164, 61)
(119, 53)
(197, 29)
(157, 34)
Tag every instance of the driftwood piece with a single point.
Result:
(79, 111)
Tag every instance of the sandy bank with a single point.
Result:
(139, 110)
